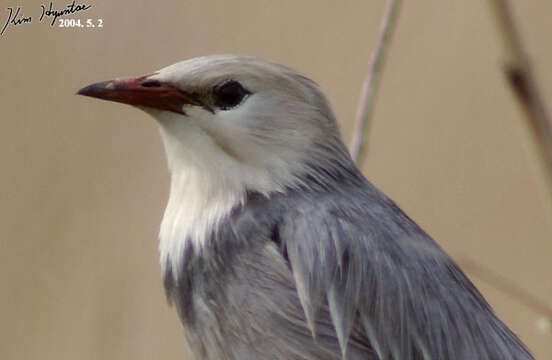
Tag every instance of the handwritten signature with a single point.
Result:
(71, 9)
(16, 16)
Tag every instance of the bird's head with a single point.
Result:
(231, 126)
(253, 122)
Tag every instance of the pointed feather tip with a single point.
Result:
(308, 309)
(341, 324)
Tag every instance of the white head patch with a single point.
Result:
(216, 155)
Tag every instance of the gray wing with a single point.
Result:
(380, 275)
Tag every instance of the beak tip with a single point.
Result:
(94, 90)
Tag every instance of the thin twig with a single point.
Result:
(366, 108)
(522, 81)
(506, 286)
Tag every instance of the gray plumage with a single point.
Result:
(274, 246)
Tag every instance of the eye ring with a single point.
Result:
(229, 94)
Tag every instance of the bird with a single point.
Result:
(274, 245)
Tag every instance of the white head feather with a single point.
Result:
(262, 145)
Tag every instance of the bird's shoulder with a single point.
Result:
(380, 274)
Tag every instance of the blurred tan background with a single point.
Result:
(84, 183)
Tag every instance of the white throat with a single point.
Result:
(197, 203)
(206, 184)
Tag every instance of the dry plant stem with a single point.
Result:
(522, 81)
(506, 286)
(366, 108)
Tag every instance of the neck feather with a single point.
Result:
(197, 204)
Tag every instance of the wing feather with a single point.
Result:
(355, 252)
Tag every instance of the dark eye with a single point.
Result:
(229, 94)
